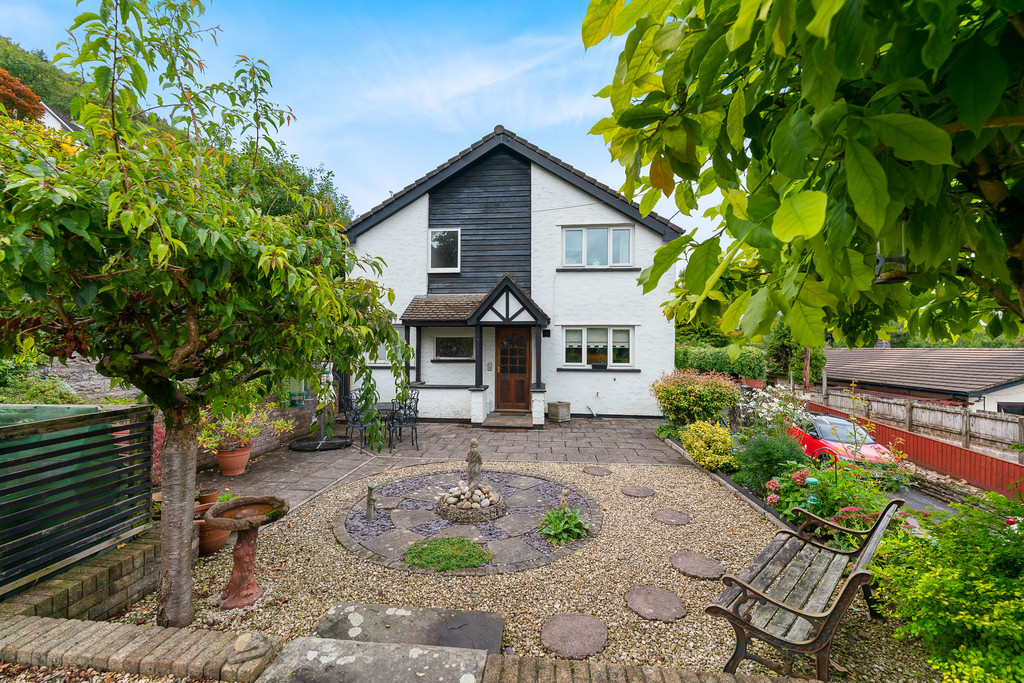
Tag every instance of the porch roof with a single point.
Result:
(506, 303)
(438, 308)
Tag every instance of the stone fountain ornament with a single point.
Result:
(470, 501)
(244, 515)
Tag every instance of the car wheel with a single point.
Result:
(824, 457)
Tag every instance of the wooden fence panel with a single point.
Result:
(978, 469)
(70, 488)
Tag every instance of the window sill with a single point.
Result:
(597, 369)
(447, 273)
(598, 269)
(452, 360)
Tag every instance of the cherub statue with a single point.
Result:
(474, 465)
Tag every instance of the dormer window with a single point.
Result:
(608, 247)
(445, 253)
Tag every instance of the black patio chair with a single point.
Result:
(403, 417)
(354, 419)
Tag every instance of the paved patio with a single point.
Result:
(298, 476)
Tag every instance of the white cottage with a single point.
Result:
(515, 283)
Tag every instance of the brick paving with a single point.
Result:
(513, 669)
(298, 476)
(144, 650)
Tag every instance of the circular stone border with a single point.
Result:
(357, 548)
(463, 516)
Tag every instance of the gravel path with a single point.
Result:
(305, 571)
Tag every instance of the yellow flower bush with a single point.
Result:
(709, 445)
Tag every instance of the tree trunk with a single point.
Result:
(807, 369)
(178, 459)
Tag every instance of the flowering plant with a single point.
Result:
(238, 430)
(685, 396)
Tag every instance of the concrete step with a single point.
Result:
(413, 626)
(316, 660)
(498, 420)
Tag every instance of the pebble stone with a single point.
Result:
(697, 566)
(673, 517)
(654, 603)
(637, 491)
(596, 471)
(574, 636)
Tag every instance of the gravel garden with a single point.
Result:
(305, 570)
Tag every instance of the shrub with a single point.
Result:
(764, 458)
(666, 431)
(562, 525)
(959, 587)
(685, 396)
(750, 363)
(709, 445)
(443, 554)
(12, 370)
(28, 389)
(773, 410)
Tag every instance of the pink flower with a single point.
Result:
(800, 477)
(773, 485)
(1011, 522)
(849, 509)
(772, 499)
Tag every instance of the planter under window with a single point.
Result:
(598, 366)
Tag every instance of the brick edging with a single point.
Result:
(356, 547)
(544, 670)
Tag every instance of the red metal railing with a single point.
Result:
(979, 469)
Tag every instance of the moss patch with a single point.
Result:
(442, 554)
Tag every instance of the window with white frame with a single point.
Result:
(445, 253)
(382, 350)
(608, 247)
(589, 346)
(453, 348)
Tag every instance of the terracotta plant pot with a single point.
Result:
(203, 498)
(232, 463)
(210, 540)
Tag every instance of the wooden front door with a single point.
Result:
(512, 375)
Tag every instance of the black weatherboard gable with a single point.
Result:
(511, 142)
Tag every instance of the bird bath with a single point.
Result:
(245, 515)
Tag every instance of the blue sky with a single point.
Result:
(385, 91)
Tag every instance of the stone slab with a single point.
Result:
(637, 491)
(406, 519)
(517, 525)
(512, 550)
(469, 531)
(427, 493)
(654, 603)
(393, 544)
(595, 471)
(673, 517)
(527, 499)
(574, 636)
(413, 626)
(323, 660)
(697, 566)
(524, 482)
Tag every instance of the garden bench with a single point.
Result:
(788, 596)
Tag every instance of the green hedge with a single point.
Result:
(751, 362)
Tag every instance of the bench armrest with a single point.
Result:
(751, 593)
(812, 520)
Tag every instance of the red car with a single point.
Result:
(827, 436)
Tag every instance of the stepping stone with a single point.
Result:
(512, 550)
(574, 636)
(596, 471)
(468, 531)
(413, 625)
(304, 660)
(637, 491)
(654, 603)
(406, 519)
(674, 517)
(393, 544)
(697, 566)
(517, 525)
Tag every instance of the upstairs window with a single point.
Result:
(445, 252)
(597, 247)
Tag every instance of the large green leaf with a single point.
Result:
(976, 83)
(867, 184)
(739, 34)
(599, 20)
(793, 141)
(664, 258)
(800, 215)
(734, 119)
(807, 323)
(913, 138)
(731, 317)
(757, 311)
(641, 116)
(702, 263)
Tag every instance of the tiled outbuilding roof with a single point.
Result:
(441, 308)
(501, 137)
(957, 371)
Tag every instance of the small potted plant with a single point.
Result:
(206, 494)
(232, 437)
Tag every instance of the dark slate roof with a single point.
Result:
(510, 141)
(442, 308)
(954, 371)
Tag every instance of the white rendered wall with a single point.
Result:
(992, 399)
(600, 298)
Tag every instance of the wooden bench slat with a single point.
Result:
(730, 594)
(821, 596)
(781, 589)
(761, 577)
(800, 594)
